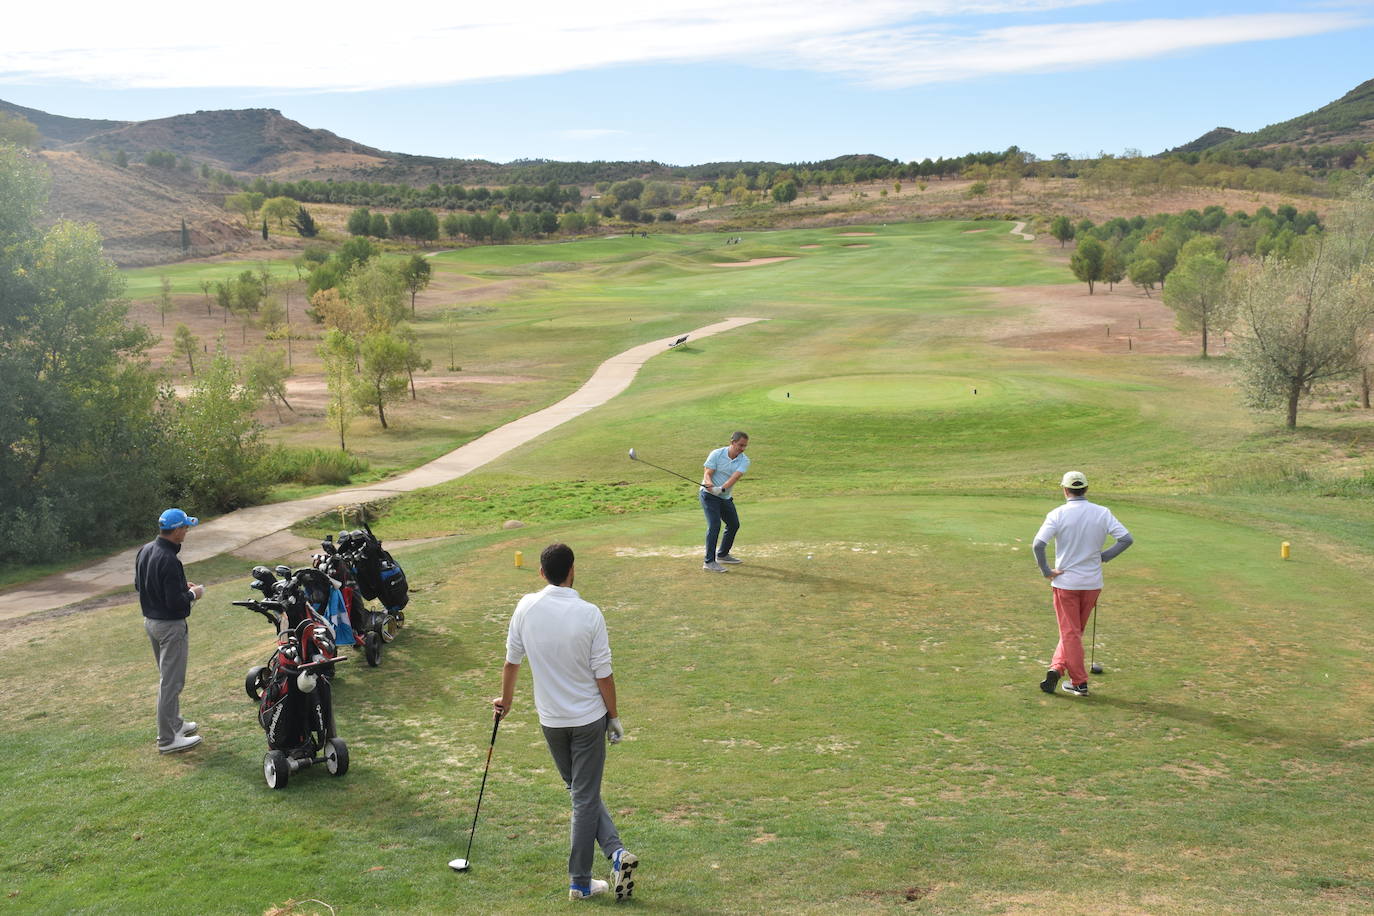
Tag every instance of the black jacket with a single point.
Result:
(161, 581)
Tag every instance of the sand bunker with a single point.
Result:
(855, 234)
(750, 263)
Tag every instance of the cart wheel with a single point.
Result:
(276, 769)
(372, 649)
(336, 757)
(256, 682)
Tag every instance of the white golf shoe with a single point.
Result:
(597, 886)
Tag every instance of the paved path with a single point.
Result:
(1019, 228)
(263, 527)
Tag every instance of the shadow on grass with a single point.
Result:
(817, 582)
(1235, 726)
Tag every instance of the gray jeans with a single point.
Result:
(580, 755)
(169, 638)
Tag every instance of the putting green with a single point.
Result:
(897, 392)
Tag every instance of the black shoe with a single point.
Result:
(1051, 679)
(1078, 690)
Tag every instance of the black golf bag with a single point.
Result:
(379, 576)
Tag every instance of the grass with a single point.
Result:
(848, 722)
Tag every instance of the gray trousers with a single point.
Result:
(580, 755)
(169, 638)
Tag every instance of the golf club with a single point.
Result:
(1095, 668)
(465, 863)
(634, 456)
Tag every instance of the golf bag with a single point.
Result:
(379, 576)
(294, 690)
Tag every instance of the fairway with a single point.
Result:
(849, 721)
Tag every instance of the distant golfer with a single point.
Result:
(565, 640)
(723, 469)
(1078, 529)
(166, 598)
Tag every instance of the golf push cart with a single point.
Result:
(293, 690)
(364, 572)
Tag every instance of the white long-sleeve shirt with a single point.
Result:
(565, 640)
(1078, 530)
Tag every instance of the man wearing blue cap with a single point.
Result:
(166, 598)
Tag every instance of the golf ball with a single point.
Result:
(808, 556)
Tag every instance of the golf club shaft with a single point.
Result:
(694, 483)
(467, 857)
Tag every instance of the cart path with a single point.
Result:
(231, 532)
(1019, 229)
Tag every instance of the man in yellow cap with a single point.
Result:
(1078, 529)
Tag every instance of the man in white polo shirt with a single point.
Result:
(1078, 529)
(565, 640)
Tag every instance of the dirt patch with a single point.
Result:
(860, 245)
(750, 263)
(808, 246)
(1065, 317)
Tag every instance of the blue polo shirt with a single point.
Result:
(722, 466)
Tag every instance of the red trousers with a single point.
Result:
(1072, 608)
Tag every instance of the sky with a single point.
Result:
(704, 80)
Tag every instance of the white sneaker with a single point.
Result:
(179, 743)
(596, 887)
(623, 865)
(187, 728)
(713, 566)
(726, 558)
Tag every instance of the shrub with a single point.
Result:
(312, 466)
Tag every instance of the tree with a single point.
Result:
(1062, 228)
(246, 203)
(1087, 260)
(415, 360)
(1196, 293)
(1144, 273)
(377, 226)
(265, 373)
(304, 224)
(205, 287)
(416, 273)
(164, 299)
(222, 462)
(340, 355)
(359, 221)
(186, 343)
(378, 289)
(785, 192)
(383, 377)
(1113, 266)
(19, 131)
(280, 209)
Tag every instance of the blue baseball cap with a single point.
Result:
(175, 518)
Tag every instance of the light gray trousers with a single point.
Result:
(580, 755)
(170, 642)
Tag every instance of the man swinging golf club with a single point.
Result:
(565, 640)
(1078, 529)
(722, 470)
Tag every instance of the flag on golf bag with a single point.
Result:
(379, 575)
(338, 619)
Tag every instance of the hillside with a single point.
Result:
(253, 140)
(1349, 119)
(57, 130)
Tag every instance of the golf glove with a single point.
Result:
(715, 491)
(614, 731)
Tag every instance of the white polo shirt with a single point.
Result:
(1079, 530)
(565, 640)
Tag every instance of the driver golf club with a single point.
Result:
(465, 863)
(1095, 668)
(635, 457)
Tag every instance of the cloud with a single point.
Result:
(883, 43)
(909, 56)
